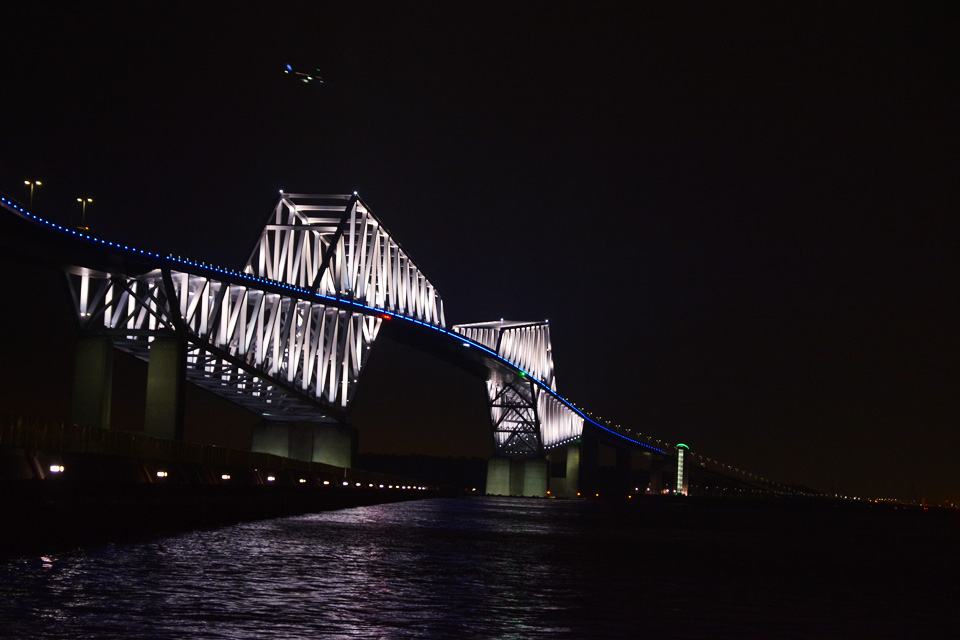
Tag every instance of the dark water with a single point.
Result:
(500, 568)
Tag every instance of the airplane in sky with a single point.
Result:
(305, 77)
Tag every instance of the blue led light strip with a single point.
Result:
(467, 342)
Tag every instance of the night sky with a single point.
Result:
(740, 220)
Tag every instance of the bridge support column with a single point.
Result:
(498, 477)
(568, 485)
(166, 378)
(92, 382)
(623, 472)
(517, 477)
(656, 475)
(272, 438)
(589, 465)
(334, 444)
(572, 485)
(535, 472)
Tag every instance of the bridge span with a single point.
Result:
(287, 337)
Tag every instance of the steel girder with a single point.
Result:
(277, 354)
(281, 356)
(525, 418)
(525, 344)
(335, 246)
(513, 413)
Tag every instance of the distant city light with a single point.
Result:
(56, 468)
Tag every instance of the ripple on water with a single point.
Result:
(491, 568)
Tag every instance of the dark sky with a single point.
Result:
(741, 220)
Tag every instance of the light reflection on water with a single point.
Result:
(492, 568)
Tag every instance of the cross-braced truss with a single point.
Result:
(525, 418)
(288, 356)
(279, 355)
(335, 246)
(525, 344)
(513, 413)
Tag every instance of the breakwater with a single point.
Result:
(63, 486)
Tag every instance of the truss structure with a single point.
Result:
(335, 246)
(513, 414)
(525, 418)
(280, 351)
(279, 355)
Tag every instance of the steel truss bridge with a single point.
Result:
(287, 336)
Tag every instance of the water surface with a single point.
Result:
(505, 568)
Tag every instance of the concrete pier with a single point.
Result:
(166, 379)
(332, 444)
(92, 382)
(498, 477)
(655, 485)
(273, 438)
(517, 477)
(567, 458)
(535, 473)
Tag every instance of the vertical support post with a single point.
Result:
(567, 458)
(535, 471)
(271, 437)
(92, 382)
(656, 475)
(334, 444)
(589, 464)
(166, 378)
(573, 470)
(623, 470)
(516, 477)
(498, 477)
(300, 441)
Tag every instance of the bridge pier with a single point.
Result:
(498, 477)
(655, 485)
(517, 477)
(333, 444)
(623, 471)
(568, 485)
(166, 379)
(92, 382)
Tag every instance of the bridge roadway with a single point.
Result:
(87, 259)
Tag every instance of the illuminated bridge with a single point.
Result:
(287, 337)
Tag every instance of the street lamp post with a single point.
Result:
(83, 211)
(32, 184)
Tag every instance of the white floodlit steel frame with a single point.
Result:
(273, 353)
(297, 356)
(284, 356)
(335, 246)
(525, 419)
